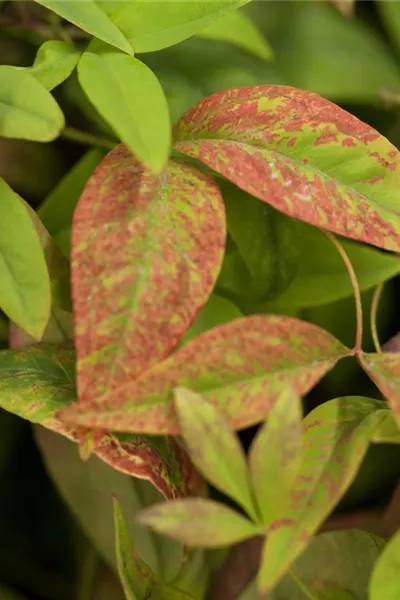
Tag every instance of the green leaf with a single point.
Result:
(237, 28)
(267, 242)
(214, 449)
(167, 234)
(385, 580)
(129, 97)
(240, 367)
(153, 25)
(275, 456)
(336, 566)
(384, 370)
(25, 286)
(168, 592)
(54, 63)
(27, 110)
(304, 163)
(390, 15)
(336, 437)
(57, 209)
(136, 576)
(197, 522)
(91, 18)
(216, 311)
(322, 277)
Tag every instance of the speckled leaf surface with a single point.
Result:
(302, 154)
(136, 576)
(240, 367)
(37, 381)
(146, 253)
(336, 438)
(384, 370)
(198, 522)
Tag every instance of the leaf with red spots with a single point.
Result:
(37, 381)
(214, 448)
(240, 367)
(384, 370)
(336, 437)
(146, 252)
(136, 576)
(303, 155)
(198, 522)
(275, 455)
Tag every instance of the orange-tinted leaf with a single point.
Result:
(146, 252)
(240, 367)
(384, 370)
(302, 154)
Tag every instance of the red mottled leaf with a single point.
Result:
(302, 154)
(136, 576)
(384, 370)
(198, 522)
(37, 381)
(336, 437)
(240, 367)
(392, 345)
(146, 252)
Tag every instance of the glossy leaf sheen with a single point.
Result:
(237, 28)
(89, 16)
(385, 580)
(24, 280)
(214, 449)
(240, 367)
(136, 576)
(54, 63)
(336, 438)
(27, 110)
(146, 253)
(37, 381)
(275, 455)
(321, 165)
(197, 522)
(153, 25)
(384, 370)
(129, 97)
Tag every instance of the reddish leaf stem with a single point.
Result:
(374, 315)
(356, 290)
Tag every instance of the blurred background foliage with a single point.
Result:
(347, 53)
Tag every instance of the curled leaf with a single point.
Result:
(303, 155)
(240, 367)
(146, 253)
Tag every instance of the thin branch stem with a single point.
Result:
(374, 317)
(356, 290)
(82, 137)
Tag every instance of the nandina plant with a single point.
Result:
(158, 313)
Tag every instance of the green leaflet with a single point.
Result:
(54, 63)
(324, 167)
(129, 97)
(27, 110)
(336, 438)
(57, 209)
(136, 576)
(322, 277)
(91, 18)
(152, 25)
(385, 580)
(276, 455)
(199, 523)
(24, 280)
(235, 27)
(214, 449)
